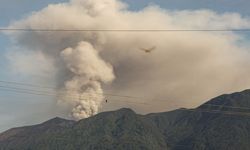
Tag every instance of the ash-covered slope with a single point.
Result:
(222, 123)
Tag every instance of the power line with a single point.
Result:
(56, 93)
(237, 113)
(27, 84)
(18, 90)
(223, 106)
(22, 89)
(123, 30)
(74, 96)
(54, 88)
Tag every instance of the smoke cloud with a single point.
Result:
(185, 69)
(89, 71)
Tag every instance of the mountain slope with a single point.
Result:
(226, 125)
(122, 129)
(222, 123)
(33, 136)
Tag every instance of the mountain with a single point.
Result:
(222, 123)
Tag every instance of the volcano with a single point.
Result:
(222, 123)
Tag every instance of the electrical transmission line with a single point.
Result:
(236, 113)
(64, 90)
(74, 96)
(123, 30)
(53, 93)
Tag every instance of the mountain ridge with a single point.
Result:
(180, 129)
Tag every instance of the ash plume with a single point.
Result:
(89, 72)
(185, 67)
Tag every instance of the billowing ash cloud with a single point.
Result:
(185, 68)
(89, 71)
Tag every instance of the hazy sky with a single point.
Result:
(30, 109)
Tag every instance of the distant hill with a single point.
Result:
(222, 123)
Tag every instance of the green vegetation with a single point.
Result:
(181, 129)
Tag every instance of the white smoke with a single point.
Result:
(185, 68)
(89, 72)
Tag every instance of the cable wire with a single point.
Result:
(66, 96)
(54, 88)
(123, 30)
(75, 96)
(191, 110)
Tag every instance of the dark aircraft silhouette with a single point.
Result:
(148, 50)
